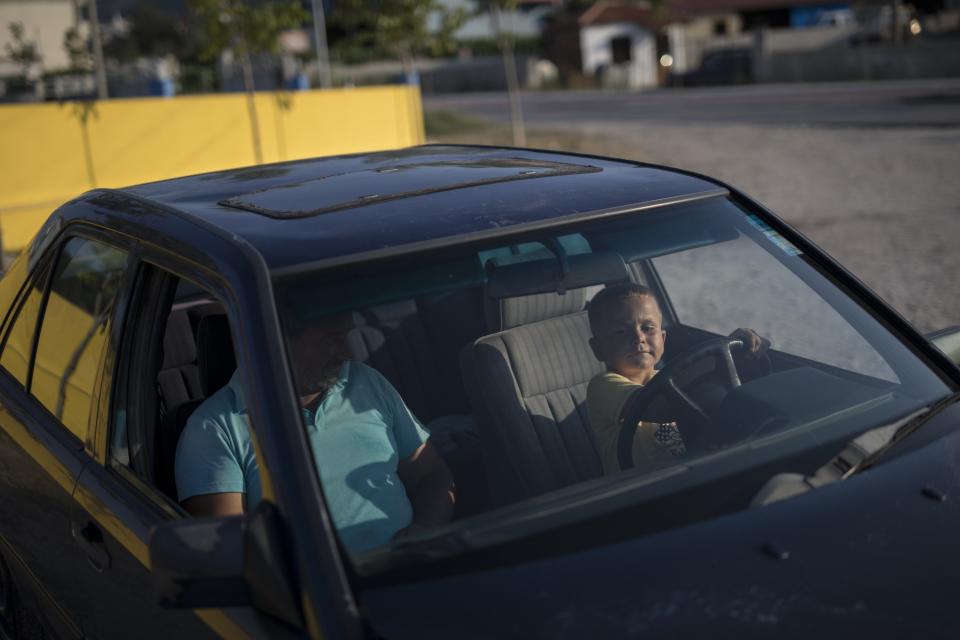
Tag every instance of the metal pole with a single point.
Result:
(320, 36)
(513, 84)
(98, 68)
(246, 65)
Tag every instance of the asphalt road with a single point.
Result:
(915, 103)
(869, 171)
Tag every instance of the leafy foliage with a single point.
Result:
(153, 33)
(77, 51)
(245, 27)
(368, 29)
(19, 49)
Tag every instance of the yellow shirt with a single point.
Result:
(607, 395)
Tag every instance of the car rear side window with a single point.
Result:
(74, 329)
(16, 351)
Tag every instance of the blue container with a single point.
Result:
(162, 87)
(299, 82)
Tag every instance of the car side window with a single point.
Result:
(19, 343)
(74, 329)
(176, 355)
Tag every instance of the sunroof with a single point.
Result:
(355, 189)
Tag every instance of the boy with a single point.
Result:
(628, 338)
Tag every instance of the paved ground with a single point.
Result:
(929, 103)
(881, 194)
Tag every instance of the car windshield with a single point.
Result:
(680, 355)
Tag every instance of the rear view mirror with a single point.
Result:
(948, 341)
(225, 562)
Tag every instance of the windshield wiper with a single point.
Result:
(859, 454)
(866, 449)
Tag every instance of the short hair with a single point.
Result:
(604, 299)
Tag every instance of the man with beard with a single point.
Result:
(381, 476)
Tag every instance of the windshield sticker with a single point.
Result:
(774, 236)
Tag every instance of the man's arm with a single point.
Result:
(429, 485)
(215, 504)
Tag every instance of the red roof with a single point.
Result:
(704, 6)
(641, 13)
(607, 12)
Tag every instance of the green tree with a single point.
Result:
(77, 51)
(399, 29)
(20, 50)
(246, 29)
(153, 32)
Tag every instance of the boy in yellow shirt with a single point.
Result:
(628, 337)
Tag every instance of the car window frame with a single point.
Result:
(134, 506)
(115, 321)
(43, 270)
(115, 394)
(38, 279)
(20, 270)
(115, 397)
(62, 454)
(229, 266)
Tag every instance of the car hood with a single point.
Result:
(875, 554)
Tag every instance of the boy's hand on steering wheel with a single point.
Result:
(754, 344)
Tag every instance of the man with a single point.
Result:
(380, 474)
(628, 337)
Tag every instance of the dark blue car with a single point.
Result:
(822, 500)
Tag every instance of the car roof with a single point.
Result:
(337, 207)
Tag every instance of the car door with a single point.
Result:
(120, 498)
(50, 362)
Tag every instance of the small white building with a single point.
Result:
(615, 43)
(44, 24)
(618, 42)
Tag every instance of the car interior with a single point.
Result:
(497, 373)
(496, 367)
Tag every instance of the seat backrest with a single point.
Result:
(391, 338)
(179, 377)
(532, 386)
(215, 357)
(415, 345)
(215, 363)
(530, 381)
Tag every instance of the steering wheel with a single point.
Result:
(664, 385)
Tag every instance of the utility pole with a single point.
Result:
(98, 68)
(320, 36)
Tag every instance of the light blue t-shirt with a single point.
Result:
(358, 434)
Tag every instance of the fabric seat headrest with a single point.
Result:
(526, 292)
(179, 348)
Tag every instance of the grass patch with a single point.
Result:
(445, 123)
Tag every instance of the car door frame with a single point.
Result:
(326, 596)
(50, 449)
(65, 454)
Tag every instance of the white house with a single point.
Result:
(614, 42)
(44, 22)
(619, 40)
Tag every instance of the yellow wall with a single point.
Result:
(52, 152)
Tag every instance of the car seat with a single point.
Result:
(529, 379)
(215, 363)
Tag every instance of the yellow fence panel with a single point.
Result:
(52, 152)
